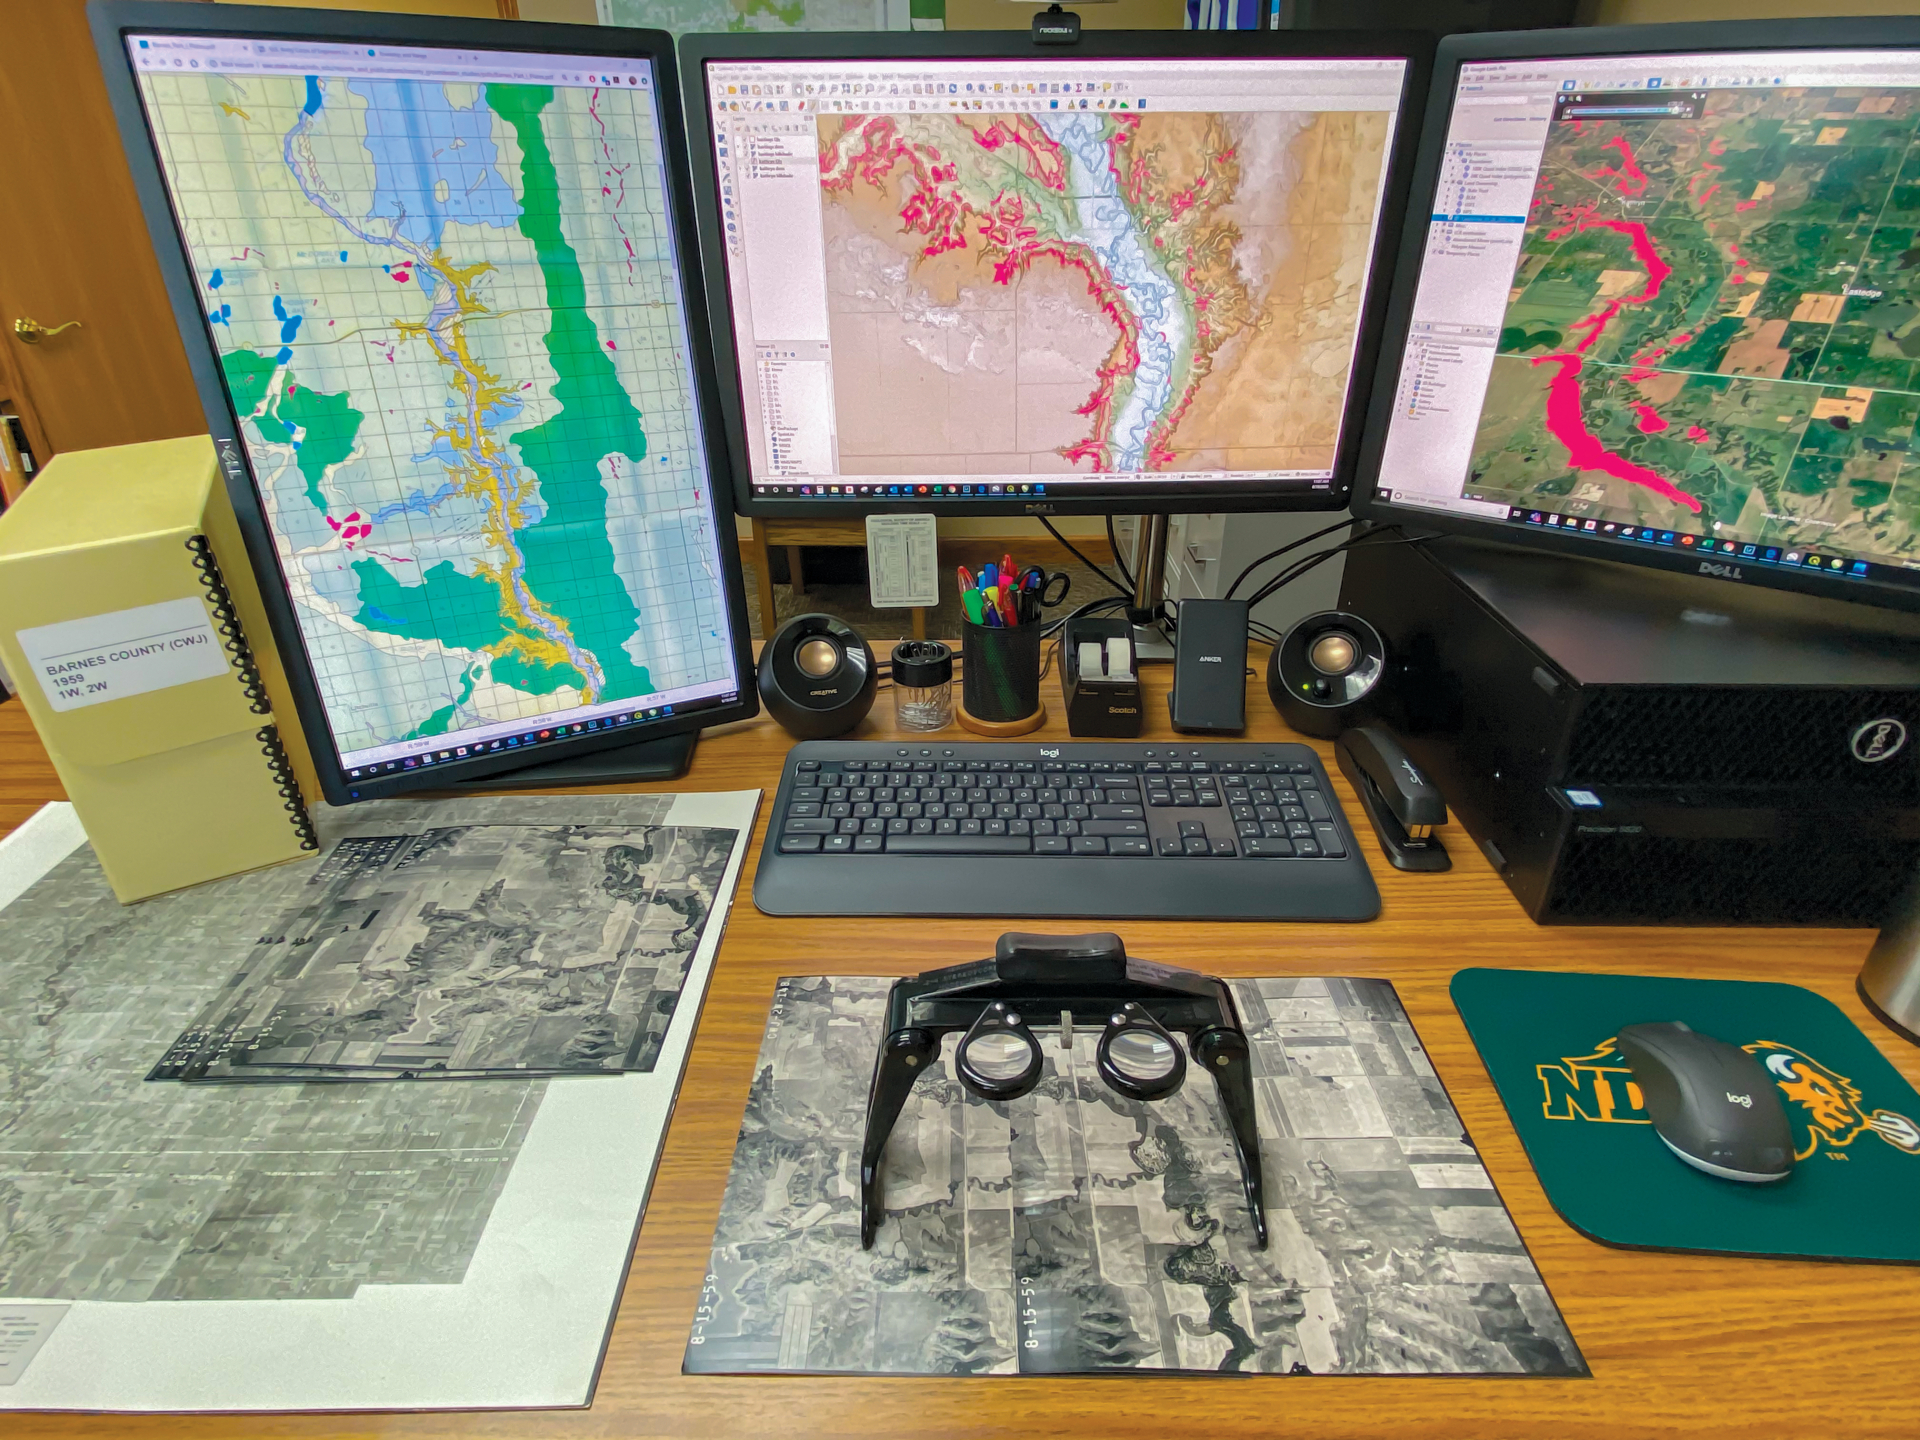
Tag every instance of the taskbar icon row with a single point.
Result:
(547, 735)
(1798, 558)
(815, 491)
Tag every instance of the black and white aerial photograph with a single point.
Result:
(1077, 1230)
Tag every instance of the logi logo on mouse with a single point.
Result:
(1600, 1087)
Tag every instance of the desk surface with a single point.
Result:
(1678, 1344)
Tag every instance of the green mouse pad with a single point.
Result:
(1548, 1041)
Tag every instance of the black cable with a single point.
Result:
(1113, 544)
(1075, 550)
(1294, 571)
(1105, 602)
(1276, 554)
(1309, 562)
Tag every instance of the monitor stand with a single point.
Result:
(666, 758)
(1150, 638)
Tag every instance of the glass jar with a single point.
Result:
(922, 685)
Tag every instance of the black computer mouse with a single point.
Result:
(1713, 1103)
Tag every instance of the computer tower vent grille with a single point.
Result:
(1654, 880)
(1703, 737)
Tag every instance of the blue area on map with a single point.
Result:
(418, 503)
(220, 314)
(441, 450)
(501, 411)
(289, 324)
(312, 107)
(216, 280)
(419, 142)
(343, 257)
(289, 327)
(385, 619)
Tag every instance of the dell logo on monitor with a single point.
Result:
(1725, 572)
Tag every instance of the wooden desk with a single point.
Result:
(1678, 1344)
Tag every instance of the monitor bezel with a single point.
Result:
(1750, 36)
(112, 21)
(1416, 48)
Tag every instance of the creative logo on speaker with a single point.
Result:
(1600, 1087)
(1878, 740)
(1724, 572)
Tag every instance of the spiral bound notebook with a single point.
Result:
(130, 642)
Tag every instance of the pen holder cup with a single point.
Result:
(1000, 678)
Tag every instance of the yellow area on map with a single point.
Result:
(485, 469)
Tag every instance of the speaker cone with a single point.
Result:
(817, 657)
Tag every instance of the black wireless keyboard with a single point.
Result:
(1080, 828)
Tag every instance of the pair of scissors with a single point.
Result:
(1035, 581)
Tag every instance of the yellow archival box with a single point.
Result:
(131, 623)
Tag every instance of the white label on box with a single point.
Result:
(903, 561)
(23, 1330)
(128, 652)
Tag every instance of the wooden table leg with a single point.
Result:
(763, 583)
(919, 622)
(796, 576)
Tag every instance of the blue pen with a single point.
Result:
(989, 576)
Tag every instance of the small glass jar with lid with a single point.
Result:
(922, 685)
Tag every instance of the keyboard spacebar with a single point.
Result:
(959, 845)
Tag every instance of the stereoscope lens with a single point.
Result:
(1000, 1056)
(1142, 1056)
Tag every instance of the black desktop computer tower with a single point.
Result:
(1631, 746)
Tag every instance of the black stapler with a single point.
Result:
(1403, 804)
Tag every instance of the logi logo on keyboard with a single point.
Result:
(1053, 754)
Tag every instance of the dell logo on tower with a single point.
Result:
(1878, 740)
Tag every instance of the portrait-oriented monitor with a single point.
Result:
(432, 282)
(967, 273)
(1663, 304)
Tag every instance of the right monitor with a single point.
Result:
(1664, 304)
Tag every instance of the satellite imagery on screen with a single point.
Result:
(1715, 323)
(450, 321)
(1044, 293)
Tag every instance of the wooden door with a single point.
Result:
(73, 244)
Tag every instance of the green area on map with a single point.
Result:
(1715, 325)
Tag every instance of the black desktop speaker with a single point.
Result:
(1630, 746)
(817, 677)
(1320, 675)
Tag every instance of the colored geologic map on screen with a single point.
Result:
(1715, 324)
(1071, 291)
(449, 319)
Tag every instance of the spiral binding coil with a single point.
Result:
(276, 753)
(231, 635)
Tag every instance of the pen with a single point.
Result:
(966, 579)
(970, 602)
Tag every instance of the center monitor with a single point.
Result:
(970, 274)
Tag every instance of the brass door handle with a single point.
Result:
(32, 332)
